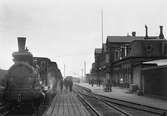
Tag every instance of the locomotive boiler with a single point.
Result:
(23, 78)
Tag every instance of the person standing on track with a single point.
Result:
(61, 85)
(70, 84)
(65, 82)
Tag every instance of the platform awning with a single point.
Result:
(161, 62)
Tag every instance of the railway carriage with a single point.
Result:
(42, 64)
(54, 77)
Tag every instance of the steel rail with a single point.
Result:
(128, 103)
(109, 105)
(132, 103)
(89, 105)
(133, 107)
(105, 103)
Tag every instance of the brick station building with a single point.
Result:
(121, 59)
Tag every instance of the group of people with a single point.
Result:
(107, 84)
(67, 83)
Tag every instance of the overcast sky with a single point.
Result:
(68, 31)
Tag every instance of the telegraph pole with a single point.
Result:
(85, 68)
(102, 25)
(64, 70)
(82, 73)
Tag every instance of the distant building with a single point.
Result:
(98, 60)
(93, 73)
(74, 79)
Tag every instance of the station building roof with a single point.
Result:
(124, 39)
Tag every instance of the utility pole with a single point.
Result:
(82, 73)
(64, 70)
(102, 25)
(84, 68)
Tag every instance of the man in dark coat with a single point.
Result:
(70, 84)
(66, 83)
(61, 85)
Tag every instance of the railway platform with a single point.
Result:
(66, 104)
(122, 94)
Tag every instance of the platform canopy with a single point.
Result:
(161, 62)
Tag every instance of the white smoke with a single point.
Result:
(51, 81)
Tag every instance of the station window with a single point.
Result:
(149, 49)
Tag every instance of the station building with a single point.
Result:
(122, 59)
(98, 68)
(93, 74)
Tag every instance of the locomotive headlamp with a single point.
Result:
(46, 88)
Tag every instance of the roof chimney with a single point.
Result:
(146, 31)
(128, 35)
(21, 44)
(134, 34)
(161, 35)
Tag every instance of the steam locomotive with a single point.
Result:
(27, 79)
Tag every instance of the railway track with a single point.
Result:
(89, 106)
(99, 107)
(132, 108)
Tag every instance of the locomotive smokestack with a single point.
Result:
(161, 35)
(134, 34)
(21, 43)
(146, 36)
